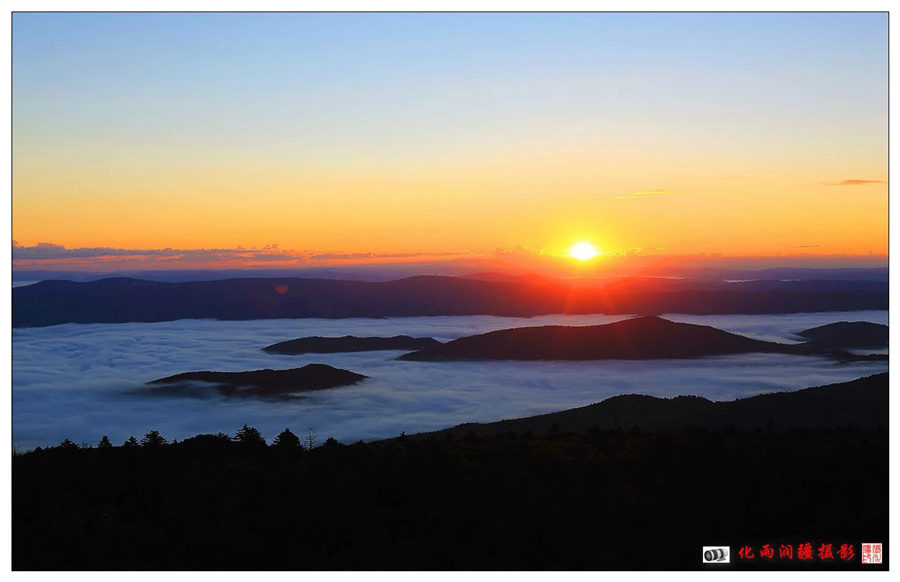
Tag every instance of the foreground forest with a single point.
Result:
(594, 499)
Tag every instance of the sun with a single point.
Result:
(583, 251)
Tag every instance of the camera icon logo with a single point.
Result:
(716, 555)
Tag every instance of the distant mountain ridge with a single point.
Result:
(455, 269)
(121, 300)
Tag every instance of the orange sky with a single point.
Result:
(475, 209)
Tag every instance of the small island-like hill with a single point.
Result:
(257, 383)
(350, 343)
(630, 339)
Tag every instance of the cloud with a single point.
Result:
(82, 381)
(520, 251)
(858, 182)
(644, 193)
(47, 251)
(363, 256)
(48, 254)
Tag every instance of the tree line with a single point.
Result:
(247, 435)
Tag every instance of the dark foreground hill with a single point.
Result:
(629, 339)
(121, 300)
(847, 334)
(860, 403)
(349, 343)
(633, 499)
(256, 383)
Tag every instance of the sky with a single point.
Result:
(166, 140)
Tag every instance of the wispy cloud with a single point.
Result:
(644, 193)
(858, 182)
(520, 251)
(375, 256)
(45, 251)
(46, 254)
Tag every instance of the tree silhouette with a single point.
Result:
(130, 442)
(153, 439)
(250, 436)
(68, 445)
(104, 443)
(286, 440)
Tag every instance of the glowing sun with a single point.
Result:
(583, 251)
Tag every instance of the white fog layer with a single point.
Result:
(85, 381)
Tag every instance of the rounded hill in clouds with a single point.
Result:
(631, 339)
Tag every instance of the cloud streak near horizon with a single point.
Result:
(858, 182)
(45, 252)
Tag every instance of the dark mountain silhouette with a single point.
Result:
(846, 334)
(881, 274)
(350, 343)
(258, 383)
(637, 338)
(808, 286)
(120, 300)
(862, 403)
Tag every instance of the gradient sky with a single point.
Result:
(451, 134)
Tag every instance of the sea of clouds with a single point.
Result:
(82, 381)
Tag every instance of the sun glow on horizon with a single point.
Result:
(583, 251)
(381, 164)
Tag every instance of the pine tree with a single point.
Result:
(286, 440)
(153, 439)
(104, 443)
(250, 436)
(130, 442)
(68, 445)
